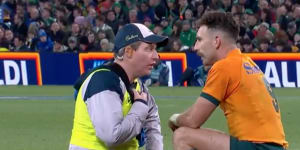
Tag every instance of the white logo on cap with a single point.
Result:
(129, 37)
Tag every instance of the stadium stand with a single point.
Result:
(82, 25)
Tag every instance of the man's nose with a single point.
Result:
(155, 56)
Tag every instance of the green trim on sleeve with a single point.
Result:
(210, 98)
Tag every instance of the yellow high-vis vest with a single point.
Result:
(84, 134)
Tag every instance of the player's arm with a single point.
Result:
(216, 87)
(197, 114)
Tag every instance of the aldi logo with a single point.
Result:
(20, 69)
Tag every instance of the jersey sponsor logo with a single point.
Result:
(251, 69)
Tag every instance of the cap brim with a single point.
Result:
(159, 40)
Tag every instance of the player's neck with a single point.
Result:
(226, 49)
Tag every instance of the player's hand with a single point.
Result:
(173, 122)
(139, 95)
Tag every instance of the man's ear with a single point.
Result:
(128, 51)
(217, 42)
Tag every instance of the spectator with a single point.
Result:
(132, 16)
(183, 7)
(145, 11)
(84, 25)
(194, 77)
(2, 38)
(105, 6)
(106, 46)
(76, 12)
(19, 45)
(59, 46)
(296, 45)
(91, 17)
(160, 9)
(187, 35)
(176, 46)
(75, 31)
(251, 20)
(46, 17)
(264, 45)
(112, 21)
(282, 46)
(148, 23)
(119, 13)
(199, 10)
(20, 9)
(267, 16)
(128, 5)
(44, 44)
(34, 15)
(247, 46)
(188, 15)
(158, 29)
(167, 29)
(226, 5)
(262, 31)
(291, 31)
(281, 17)
(104, 28)
(296, 16)
(159, 75)
(60, 12)
(173, 10)
(72, 44)
(19, 26)
(214, 4)
(56, 32)
(237, 9)
(176, 30)
(92, 42)
(281, 35)
(84, 44)
(32, 36)
(9, 36)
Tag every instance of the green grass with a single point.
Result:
(46, 124)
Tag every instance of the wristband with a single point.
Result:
(173, 119)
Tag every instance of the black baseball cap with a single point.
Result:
(134, 32)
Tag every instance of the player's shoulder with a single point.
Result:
(232, 59)
(227, 65)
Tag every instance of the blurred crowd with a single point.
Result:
(91, 25)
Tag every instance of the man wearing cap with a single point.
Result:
(113, 107)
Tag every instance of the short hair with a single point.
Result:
(120, 53)
(221, 21)
(101, 18)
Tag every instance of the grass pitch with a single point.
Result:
(40, 118)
